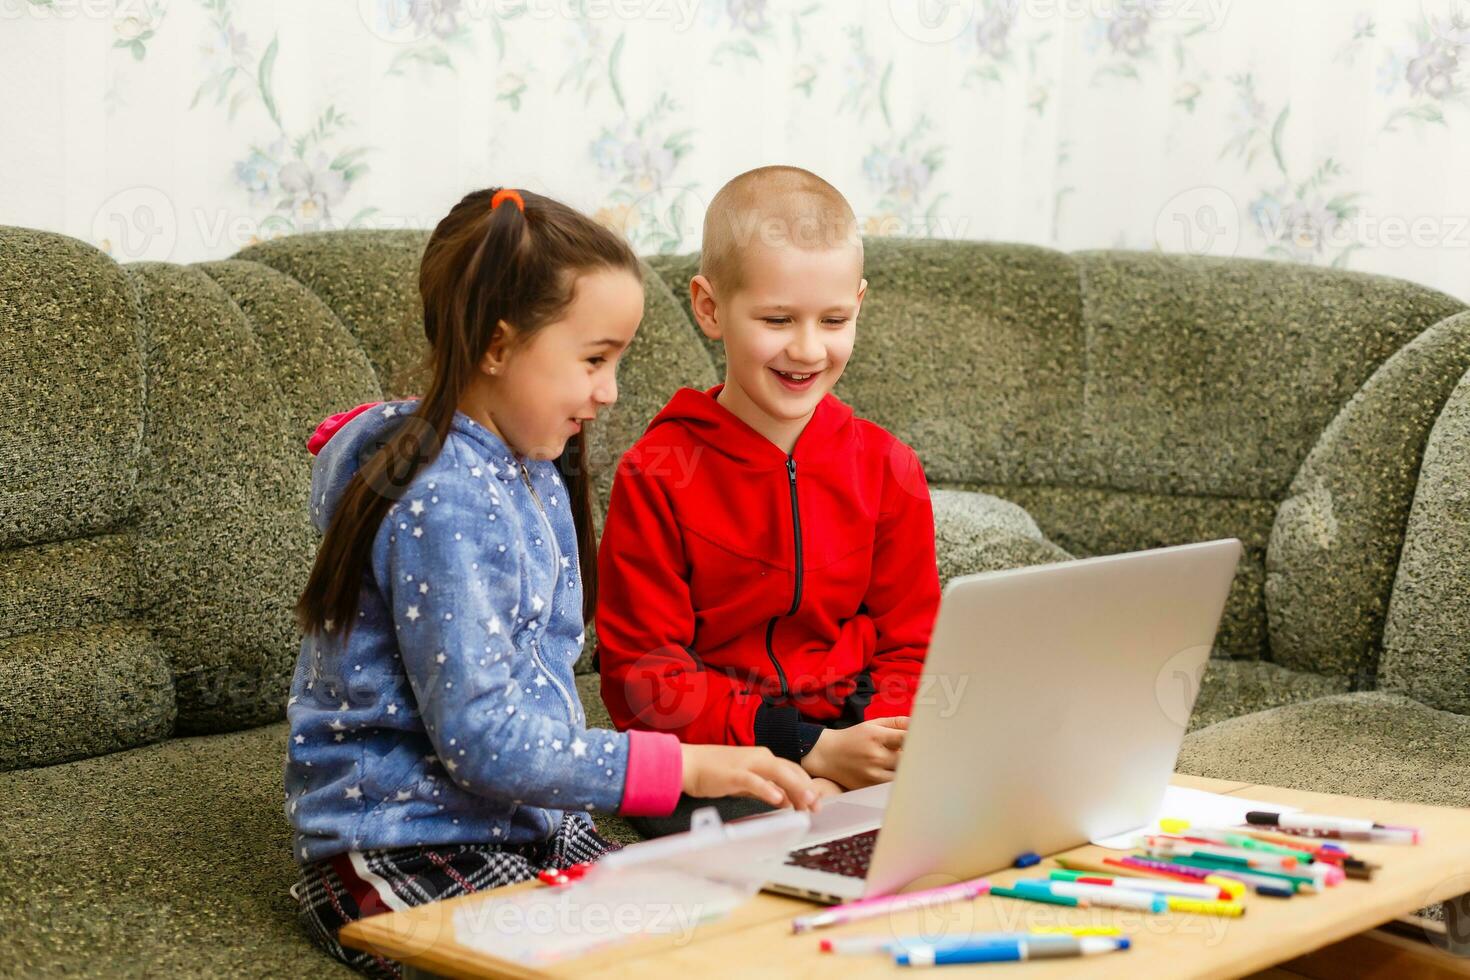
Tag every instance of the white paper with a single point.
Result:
(545, 925)
(1200, 808)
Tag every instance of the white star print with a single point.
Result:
(440, 658)
(353, 793)
(536, 603)
(416, 508)
(451, 765)
(413, 613)
(566, 562)
(392, 709)
(402, 795)
(336, 725)
(418, 532)
(608, 747)
(556, 744)
(579, 747)
(540, 680)
(423, 587)
(338, 737)
(475, 472)
(390, 411)
(300, 739)
(343, 706)
(291, 700)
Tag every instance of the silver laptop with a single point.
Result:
(1053, 702)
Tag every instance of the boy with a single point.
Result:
(767, 564)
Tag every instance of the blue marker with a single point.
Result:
(1010, 951)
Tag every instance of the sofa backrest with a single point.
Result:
(152, 525)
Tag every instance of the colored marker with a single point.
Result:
(1041, 948)
(1148, 868)
(861, 945)
(1200, 906)
(1345, 828)
(1184, 889)
(882, 905)
(1099, 895)
(1035, 895)
(1231, 855)
(1232, 838)
(1241, 879)
(1301, 884)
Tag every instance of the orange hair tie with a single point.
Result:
(506, 194)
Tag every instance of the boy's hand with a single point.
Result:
(736, 770)
(858, 756)
(825, 787)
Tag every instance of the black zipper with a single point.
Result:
(796, 592)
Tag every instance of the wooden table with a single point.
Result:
(756, 940)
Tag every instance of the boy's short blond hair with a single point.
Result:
(773, 206)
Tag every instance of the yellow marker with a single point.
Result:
(1078, 930)
(1202, 906)
(1231, 885)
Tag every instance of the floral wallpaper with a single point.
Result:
(1330, 132)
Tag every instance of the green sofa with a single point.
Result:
(153, 531)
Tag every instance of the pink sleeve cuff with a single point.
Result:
(655, 774)
(331, 424)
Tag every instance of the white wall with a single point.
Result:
(1321, 131)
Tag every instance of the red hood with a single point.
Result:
(716, 427)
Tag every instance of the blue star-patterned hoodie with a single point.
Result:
(450, 715)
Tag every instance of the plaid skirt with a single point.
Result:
(351, 886)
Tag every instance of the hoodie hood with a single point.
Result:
(700, 415)
(341, 444)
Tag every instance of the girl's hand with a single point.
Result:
(737, 770)
(858, 756)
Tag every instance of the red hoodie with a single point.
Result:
(748, 597)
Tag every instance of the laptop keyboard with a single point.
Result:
(847, 856)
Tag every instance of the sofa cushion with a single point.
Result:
(1216, 376)
(1089, 521)
(1370, 743)
(223, 542)
(169, 860)
(370, 280)
(71, 380)
(977, 532)
(1238, 687)
(80, 691)
(1427, 637)
(317, 366)
(1336, 544)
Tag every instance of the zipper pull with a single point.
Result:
(791, 468)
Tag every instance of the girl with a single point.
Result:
(437, 743)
